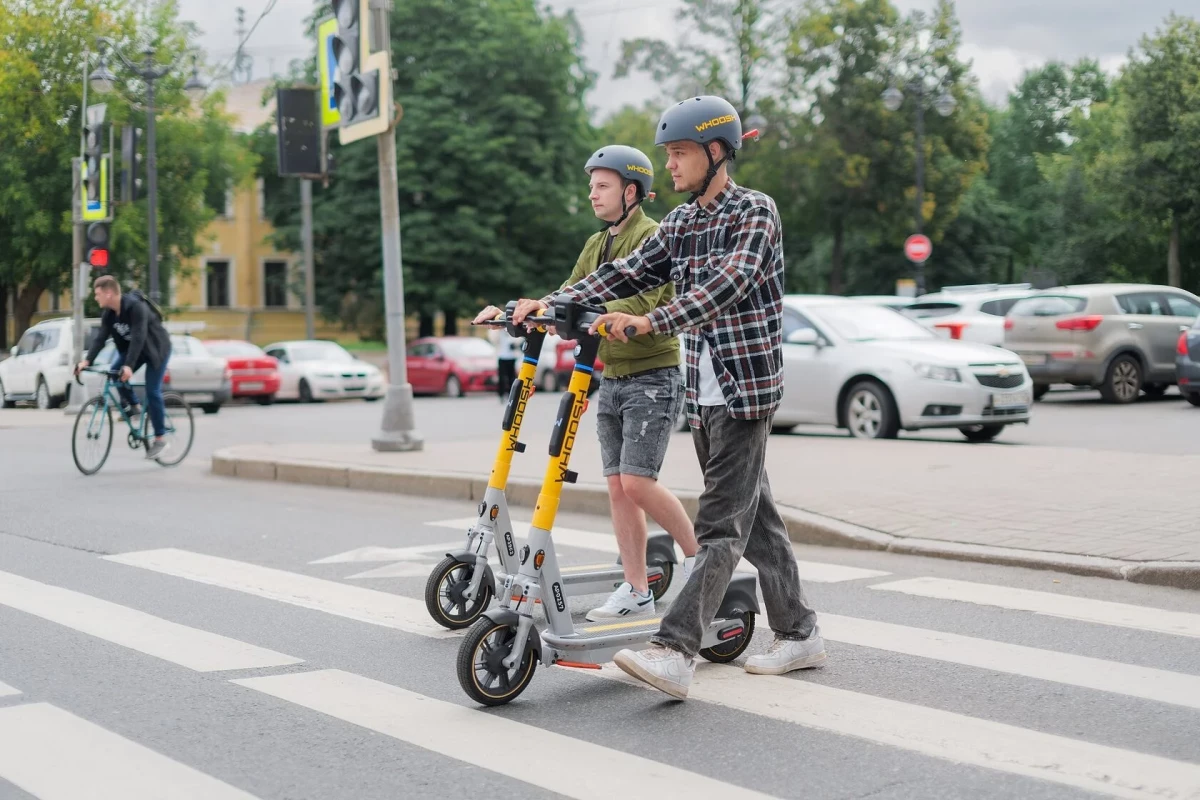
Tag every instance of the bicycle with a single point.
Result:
(98, 428)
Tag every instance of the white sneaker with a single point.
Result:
(624, 602)
(785, 655)
(665, 669)
(688, 563)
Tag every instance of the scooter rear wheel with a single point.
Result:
(481, 672)
(733, 647)
(445, 599)
(659, 588)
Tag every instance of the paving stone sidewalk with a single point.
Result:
(1124, 515)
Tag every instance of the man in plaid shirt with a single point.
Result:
(724, 251)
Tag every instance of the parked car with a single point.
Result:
(255, 374)
(564, 365)
(1187, 363)
(204, 380)
(40, 365)
(1118, 338)
(311, 370)
(874, 372)
(452, 365)
(971, 313)
(895, 302)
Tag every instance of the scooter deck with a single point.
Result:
(621, 629)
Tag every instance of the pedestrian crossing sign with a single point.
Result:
(94, 210)
(326, 64)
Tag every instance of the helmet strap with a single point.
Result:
(626, 210)
(713, 166)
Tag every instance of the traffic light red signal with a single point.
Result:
(97, 244)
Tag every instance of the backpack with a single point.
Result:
(138, 295)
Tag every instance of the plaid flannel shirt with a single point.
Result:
(726, 260)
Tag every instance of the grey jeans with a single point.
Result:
(737, 516)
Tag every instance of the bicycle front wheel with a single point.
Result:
(92, 436)
(179, 430)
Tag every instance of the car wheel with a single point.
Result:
(1123, 380)
(44, 401)
(1039, 390)
(211, 408)
(453, 387)
(306, 395)
(869, 413)
(981, 433)
(1193, 398)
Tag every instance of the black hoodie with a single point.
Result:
(137, 333)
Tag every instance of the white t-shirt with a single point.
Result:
(710, 391)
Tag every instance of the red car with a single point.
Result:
(254, 373)
(451, 365)
(565, 365)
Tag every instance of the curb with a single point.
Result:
(803, 527)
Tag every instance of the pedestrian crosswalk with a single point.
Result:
(38, 737)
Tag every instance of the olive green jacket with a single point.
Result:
(646, 351)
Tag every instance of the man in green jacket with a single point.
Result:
(641, 390)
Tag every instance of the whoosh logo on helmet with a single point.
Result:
(636, 168)
(714, 122)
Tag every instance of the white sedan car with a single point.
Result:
(874, 372)
(313, 370)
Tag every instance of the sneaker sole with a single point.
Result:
(603, 617)
(801, 663)
(631, 667)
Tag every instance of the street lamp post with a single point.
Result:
(102, 81)
(944, 104)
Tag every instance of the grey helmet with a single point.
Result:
(703, 119)
(632, 165)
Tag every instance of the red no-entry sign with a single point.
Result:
(918, 248)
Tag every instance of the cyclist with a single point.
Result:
(641, 389)
(723, 250)
(140, 338)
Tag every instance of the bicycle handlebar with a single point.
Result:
(113, 374)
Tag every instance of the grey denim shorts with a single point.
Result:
(635, 420)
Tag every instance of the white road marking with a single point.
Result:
(352, 602)
(954, 737)
(401, 569)
(374, 553)
(179, 644)
(562, 764)
(1090, 673)
(815, 571)
(55, 755)
(8, 691)
(1083, 609)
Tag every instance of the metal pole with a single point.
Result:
(920, 204)
(152, 178)
(398, 427)
(306, 237)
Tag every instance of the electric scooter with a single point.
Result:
(498, 656)
(462, 585)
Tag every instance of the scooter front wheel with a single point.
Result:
(446, 599)
(737, 641)
(481, 670)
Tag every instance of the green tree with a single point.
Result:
(490, 153)
(42, 63)
(1161, 89)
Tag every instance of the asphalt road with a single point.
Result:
(166, 628)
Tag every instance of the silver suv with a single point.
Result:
(1118, 338)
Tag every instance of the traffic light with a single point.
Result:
(94, 167)
(131, 163)
(97, 245)
(362, 80)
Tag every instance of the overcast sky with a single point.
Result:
(1001, 37)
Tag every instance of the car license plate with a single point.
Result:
(252, 387)
(1012, 399)
(1035, 359)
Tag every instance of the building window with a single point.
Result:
(275, 276)
(217, 284)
